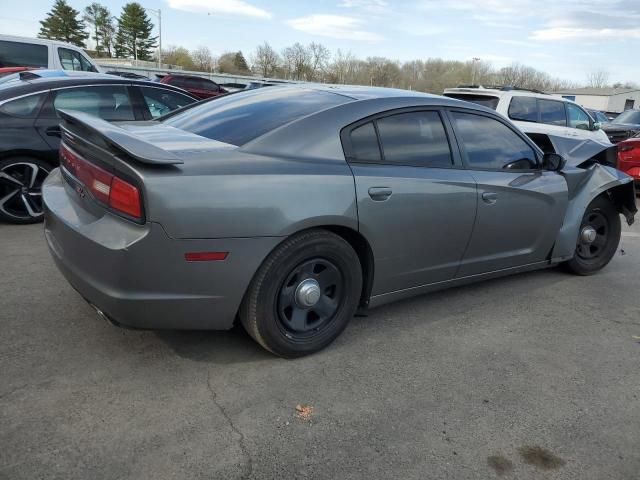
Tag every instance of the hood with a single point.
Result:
(581, 153)
(621, 126)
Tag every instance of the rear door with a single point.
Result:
(416, 204)
(520, 206)
(110, 102)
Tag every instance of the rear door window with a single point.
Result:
(73, 60)
(488, 144)
(109, 102)
(524, 109)
(414, 138)
(18, 54)
(552, 112)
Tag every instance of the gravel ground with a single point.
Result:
(533, 376)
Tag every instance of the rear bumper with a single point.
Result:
(137, 275)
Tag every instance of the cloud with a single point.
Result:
(334, 26)
(220, 7)
(368, 6)
(566, 33)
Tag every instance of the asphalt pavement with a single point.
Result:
(529, 377)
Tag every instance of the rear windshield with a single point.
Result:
(18, 54)
(241, 117)
(630, 116)
(484, 100)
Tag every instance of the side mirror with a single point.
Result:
(553, 162)
(597, 126)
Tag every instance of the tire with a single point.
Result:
(21, 189)
(271, 310)
(590, 257)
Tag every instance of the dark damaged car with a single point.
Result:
(288, 208)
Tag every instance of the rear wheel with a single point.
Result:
(598, 238)
(304, 294)
(21, 189)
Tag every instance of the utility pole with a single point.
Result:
(473, 69)
(158, 13)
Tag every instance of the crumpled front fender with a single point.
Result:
(584, 185)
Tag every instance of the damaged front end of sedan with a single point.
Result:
(589, 172)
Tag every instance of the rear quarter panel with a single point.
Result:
(237, 194)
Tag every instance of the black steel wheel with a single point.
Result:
(303, 295)
(598, 237)
(310, 296)
(21, 189)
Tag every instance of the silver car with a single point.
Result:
(289, 208)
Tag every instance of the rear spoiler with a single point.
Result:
(137, 148)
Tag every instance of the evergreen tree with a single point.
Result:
(62, 23)
(107, 30)
(96, 15)
(240, 62)
(134, 33)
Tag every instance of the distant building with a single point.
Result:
(612, 100)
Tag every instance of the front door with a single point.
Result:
(416, 204)
(520, 207)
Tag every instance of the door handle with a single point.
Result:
(380, 194)
(490, 197)
(53, 131)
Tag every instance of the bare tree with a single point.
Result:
(297, 61)
(202, 59)
(320, 56)
(265, 60)
(598, 79)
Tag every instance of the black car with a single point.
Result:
(132, 75)
(30, 132)
(625, 125)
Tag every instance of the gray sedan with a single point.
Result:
(289, 208)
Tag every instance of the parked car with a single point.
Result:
(29, 119)
(198, 86)
(135, 76)
(535, 113)
(42, 53)
(598, 116)
(629, 158)
(291, 207)
(624, 126)
(4, 71)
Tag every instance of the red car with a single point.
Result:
(197, 86)
(9, 70)
(629, 157)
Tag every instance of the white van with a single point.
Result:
(42, 53)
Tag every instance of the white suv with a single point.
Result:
(42, 53)
(535, 113)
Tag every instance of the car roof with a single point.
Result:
(33, 81)
(37, 41)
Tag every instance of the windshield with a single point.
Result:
(484, 100)
(630, 116)
(244, 116)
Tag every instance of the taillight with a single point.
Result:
(125, 197)
(104, 186)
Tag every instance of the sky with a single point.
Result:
(567, 39)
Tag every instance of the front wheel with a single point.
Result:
(598, 237)
(304, 294)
